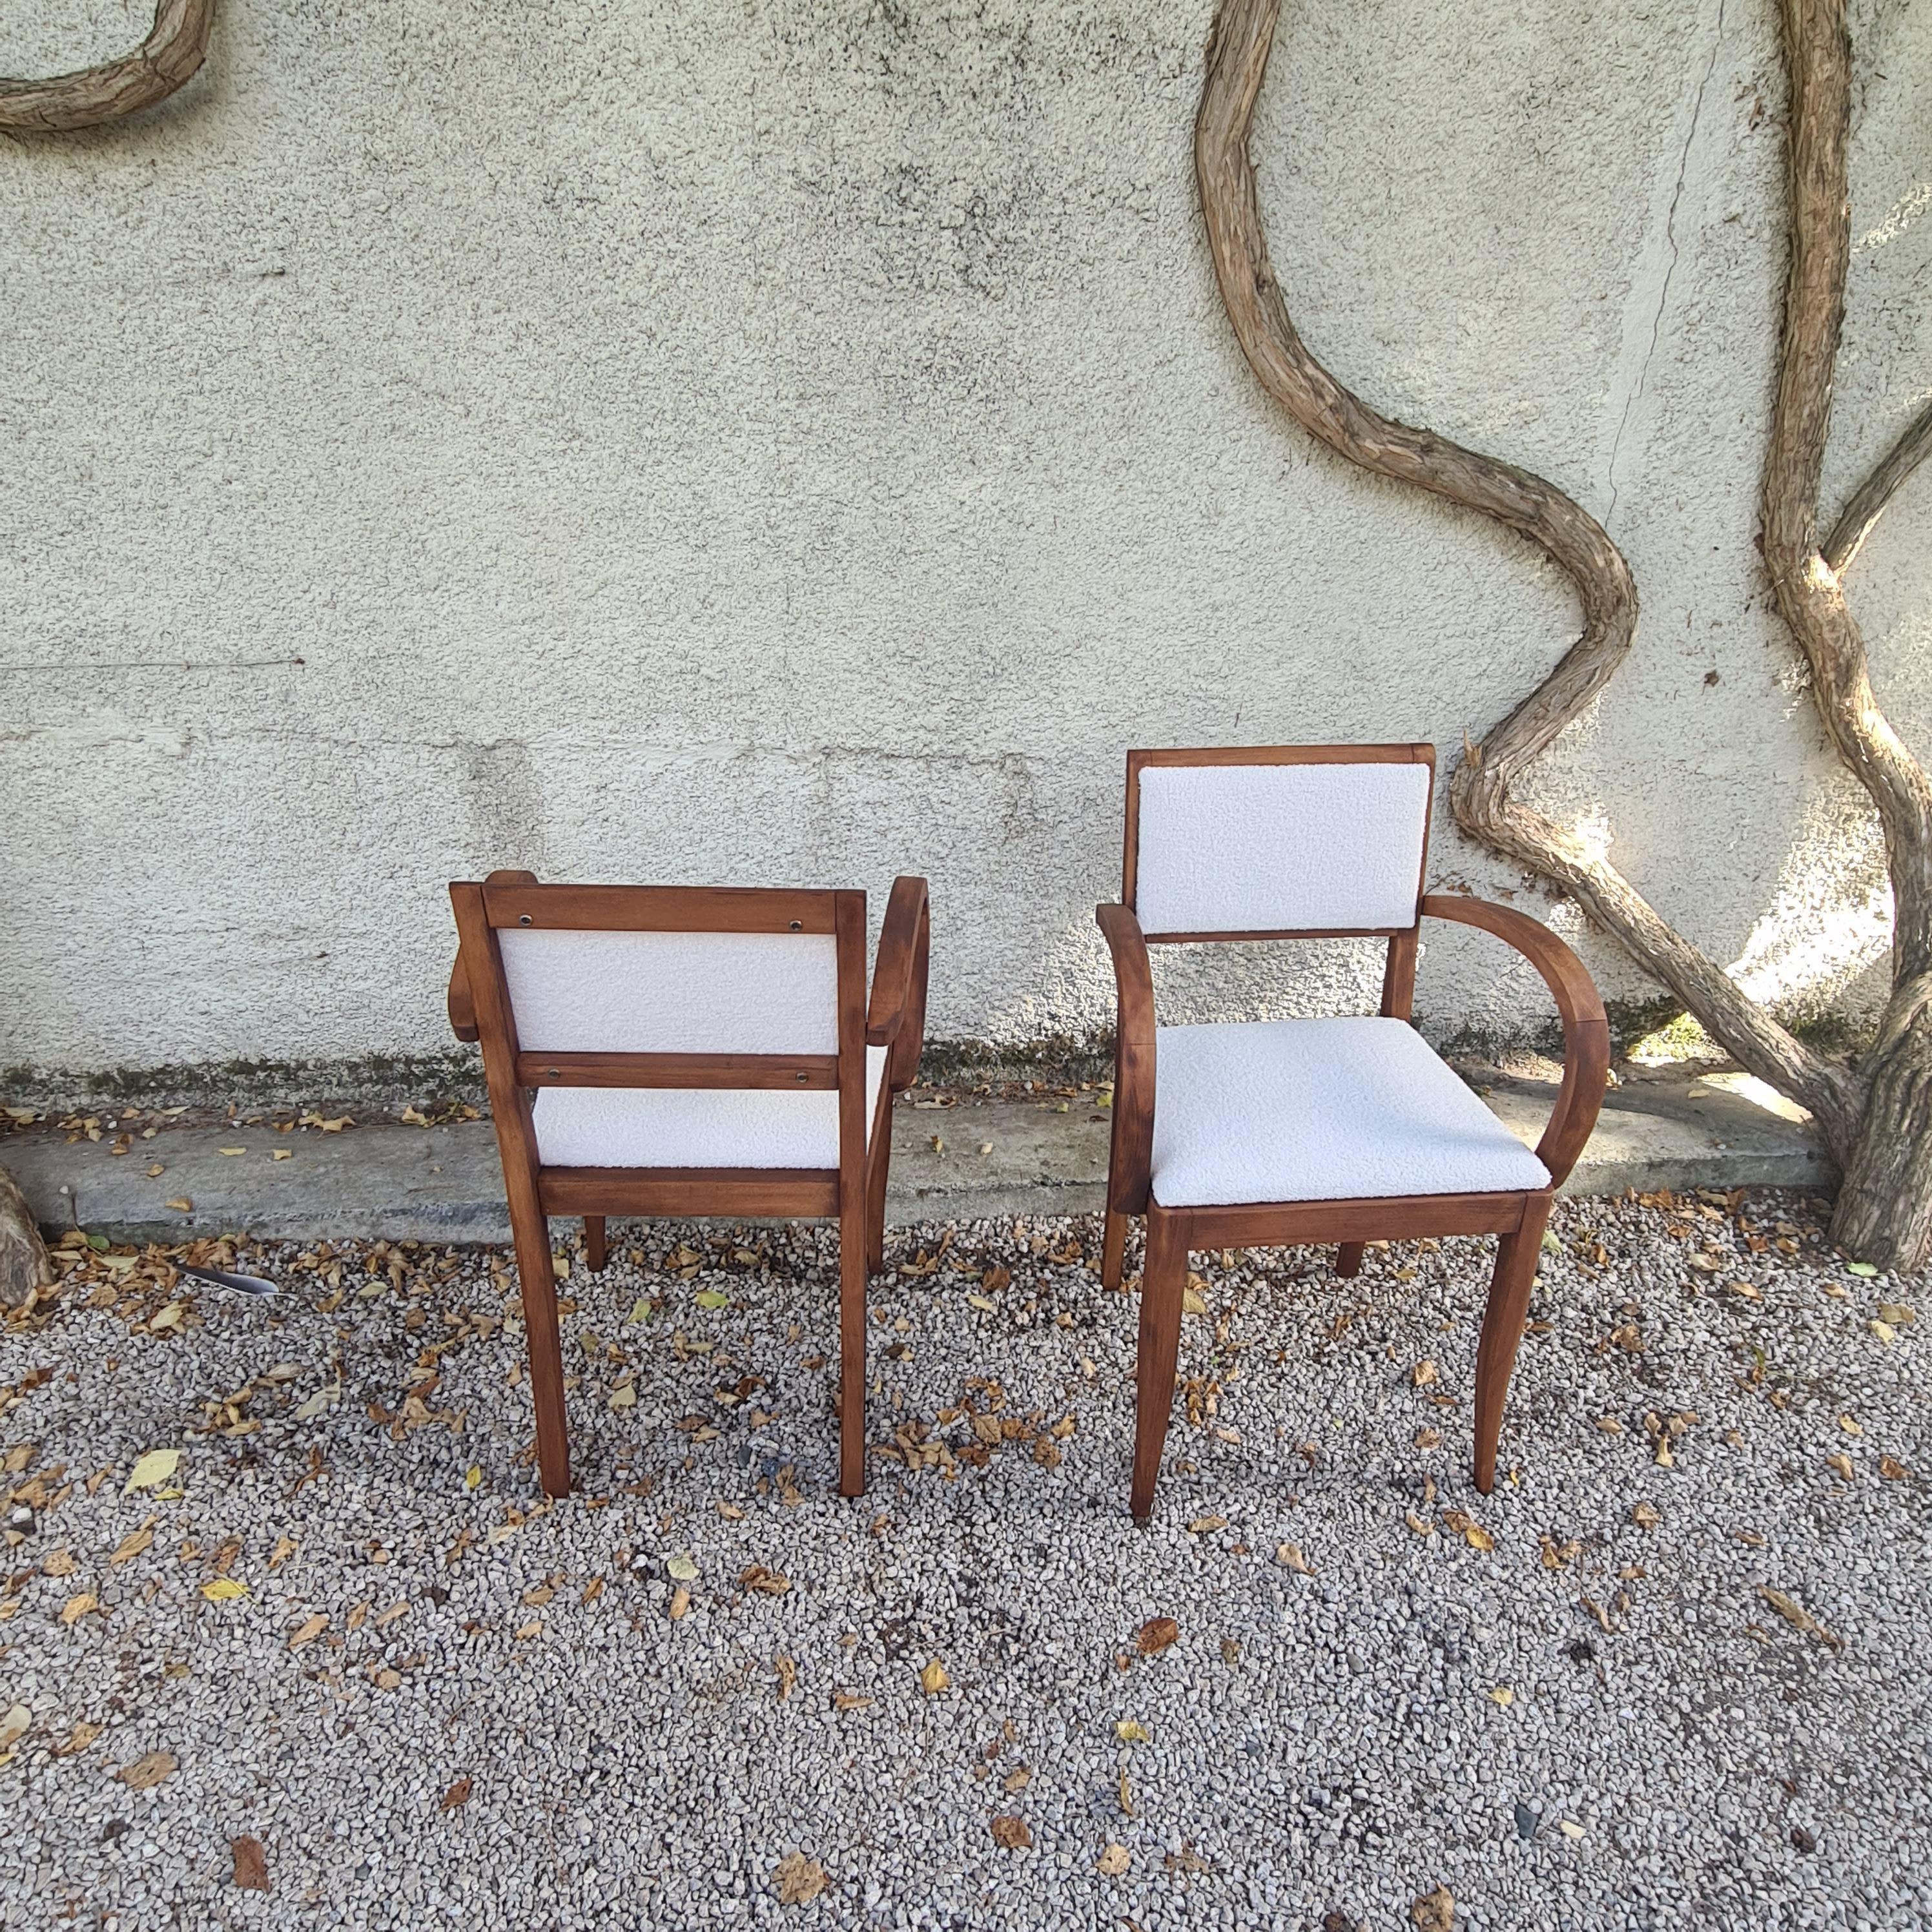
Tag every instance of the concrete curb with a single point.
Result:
(975, 1160)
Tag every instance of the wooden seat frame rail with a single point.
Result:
(1517, 1218)
(854, 1192)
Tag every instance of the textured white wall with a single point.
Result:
(799, 442)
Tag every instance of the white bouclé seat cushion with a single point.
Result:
(1320, 1110)
(682, 1127)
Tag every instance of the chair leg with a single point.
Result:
(538, 1279)
(1163, 1281)
(1502, 1330)
(1114, 1249)
(875, 1211)
(852, 1281)
(1349, 1260)
(594, 1251)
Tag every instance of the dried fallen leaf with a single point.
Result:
(1841, 1464)
(1203, 1525)
(1289, 1556)
(1193, 1302)
(1012, 1834)
(1892, 1469)
(1422, 1375)
(799, 1879)
(456, 1796)
(75, 1608)
(766, 1582)
(933, 1678)
(131, 1545)
(1017, 1779)
(1156, 1635)
(1645, 1516)
(850, 1700)
(1132, 1731)
(680, 1602)
(82, 1735)
(1798, 1617)
(1503, 1695)
(251, 1865)
(308, 1631)
(1434, 1913)
(1113, 1861)
(154, 1468)
(1416, 1523)
(224, 1589)
(681, 1569)
(183, 1206)
(14, 1725)
(145, 1773)
(787, 1673)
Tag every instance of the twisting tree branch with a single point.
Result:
(171, 54)
(1810, 596)
(1868, 501)
(1237, 57)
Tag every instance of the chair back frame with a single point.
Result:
(1398, 999)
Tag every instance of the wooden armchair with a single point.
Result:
(674, 1050)
(1346, 1130)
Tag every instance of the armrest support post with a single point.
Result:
(1130, 1164)
(1586, 1032)
(896, 1018)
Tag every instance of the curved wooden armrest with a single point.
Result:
(461, 1002)
(896, 1017)
(1130, 1166)
(1586, 1032)
(462, 1007)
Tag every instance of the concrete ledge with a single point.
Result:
(993, 1157)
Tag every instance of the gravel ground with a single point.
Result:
(342, 1667)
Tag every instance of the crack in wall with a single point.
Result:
(1637, 388)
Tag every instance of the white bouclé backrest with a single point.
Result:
(1253, 847)
(576, 991)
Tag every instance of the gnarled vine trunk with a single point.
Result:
(1876, 1117)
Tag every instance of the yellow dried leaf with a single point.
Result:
(933, 1678)
(1503, 1695)
(1289, 1556)
(1202, 1525)
(1131, 1731)
(850, 1700)
(787, 1675)
(1841, 1464)
(309, 1631)
(1422, 1375)
(183, 1206)
(1113, 1861)
(155, 1467)
(75, 1608)
(1798, 1617)
(224, 1589)
(680, 1602)
(1645, 1516)
(1192, 1301)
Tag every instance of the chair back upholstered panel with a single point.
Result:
(589, 991)
(1329, 844)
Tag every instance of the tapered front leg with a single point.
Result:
(538, 1279)
(1114, 1250)
(1163, 1283)
(1348, 1259)
(594, 1251)
(875, 1207)
(852, 1278)
(1502, 1330)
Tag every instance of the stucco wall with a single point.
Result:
(802, 442)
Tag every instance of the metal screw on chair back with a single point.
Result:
(523, 918)
(798, 926)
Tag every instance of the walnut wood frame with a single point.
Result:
(854, 1192)
(1517, 1218)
